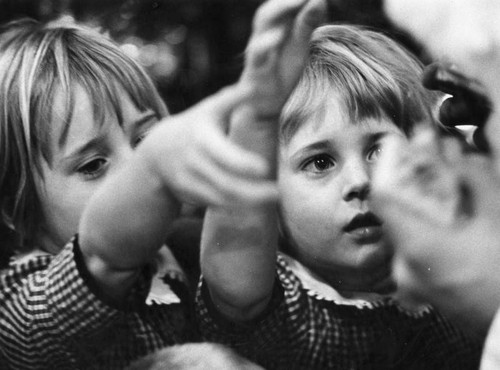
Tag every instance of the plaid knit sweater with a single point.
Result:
(52, 318)
(303, 330)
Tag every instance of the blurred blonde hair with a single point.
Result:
(36, 62)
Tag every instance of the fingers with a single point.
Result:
(279, 20)
(310, 17)
(413, 184)
(209, 121)
(227, 174)
(274, 12)
(220, 105)
(212, 186)
(278, 50)
(215, 147)
(262, 53)
(197, 161)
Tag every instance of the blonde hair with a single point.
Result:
(372, 75)
(38, 61)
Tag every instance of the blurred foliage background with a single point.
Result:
(190, 47)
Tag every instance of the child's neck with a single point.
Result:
(313, 282)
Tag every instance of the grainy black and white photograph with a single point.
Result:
(249, 184)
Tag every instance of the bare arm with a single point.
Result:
(185, 158)
(239, 245)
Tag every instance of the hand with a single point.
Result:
(442, 211)
(198, 164)
(278, 49)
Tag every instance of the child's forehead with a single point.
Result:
(331, 123)
(308, 107)
(74, 115)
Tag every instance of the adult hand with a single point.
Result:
(441, 208)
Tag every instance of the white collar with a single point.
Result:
(319, 288)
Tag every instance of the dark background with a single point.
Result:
(190, 47)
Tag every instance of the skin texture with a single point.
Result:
(324, 179)
(74, 175)
(188, 158)
(184, 158)
(441, 204)
(247, 236)
(441, 210)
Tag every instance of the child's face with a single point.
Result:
(324, 178)
(89, 155)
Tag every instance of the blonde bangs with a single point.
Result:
(372, 75)
(37, 63)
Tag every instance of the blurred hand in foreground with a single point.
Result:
(441, 208)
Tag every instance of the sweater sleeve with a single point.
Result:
(267, 339)
(47, 304)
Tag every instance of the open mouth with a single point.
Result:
(365, 227)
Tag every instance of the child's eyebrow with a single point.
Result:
(318, 145)
(378, 135)
(81, 150)
(145, 118)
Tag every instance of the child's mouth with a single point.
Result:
(365, 228)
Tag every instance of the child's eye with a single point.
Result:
(374, 153)
(139, 139)
(93, 169)
(319, 163)
(143, 133)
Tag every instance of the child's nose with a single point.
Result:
(357, 184)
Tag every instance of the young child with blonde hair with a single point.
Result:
(309, 285)
(87, 157)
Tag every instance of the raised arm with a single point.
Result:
(185, 158)
(239, 245)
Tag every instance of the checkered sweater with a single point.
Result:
(302, 330)
(50, 318)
